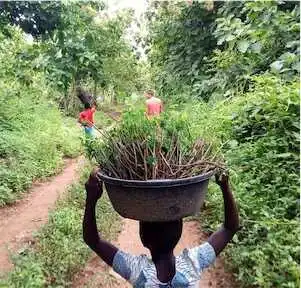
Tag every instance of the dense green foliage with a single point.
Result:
(260, 135)
(39, 18)
(59, 251)
(34, 134)
(176, 31)
(211, 49)
(90, 48)
(76, 43)
(255, 38)
(247, 70)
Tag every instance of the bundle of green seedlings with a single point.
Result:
(159, 148)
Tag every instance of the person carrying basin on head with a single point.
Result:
(164, 269)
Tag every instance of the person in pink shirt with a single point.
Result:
(153, 105)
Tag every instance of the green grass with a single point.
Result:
(33, 154)
(35, 137)
(59, 251)
(102, 120)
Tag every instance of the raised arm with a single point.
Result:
(105, 250)
(222, 237)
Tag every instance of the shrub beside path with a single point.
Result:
(20, 220)
(97, 274)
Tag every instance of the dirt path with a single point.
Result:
(17, 222)
(96, 274)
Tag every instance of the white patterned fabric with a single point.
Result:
(141, 272)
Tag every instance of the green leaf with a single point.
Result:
(296, 66)
(243, 46)
(284, 155)
(256, 47)
(221, 41)
(233, 143)
(288, 57)
(276, 66)
(58, 55)
(230, 37)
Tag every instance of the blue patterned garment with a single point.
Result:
(141, 272)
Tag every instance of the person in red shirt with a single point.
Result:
(153, 105)
(86, 118)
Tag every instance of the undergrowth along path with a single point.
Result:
(20, 220)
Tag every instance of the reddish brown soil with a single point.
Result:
(18, 221)
(97, 274)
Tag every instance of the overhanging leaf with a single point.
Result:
(276, 66)
(256, 47)
(243, 46)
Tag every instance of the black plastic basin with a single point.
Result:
(157, 200)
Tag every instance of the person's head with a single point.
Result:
(87, 105)
(149, 94)
(160, 237)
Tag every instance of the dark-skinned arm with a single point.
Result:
(105, 250)
(222, 237)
